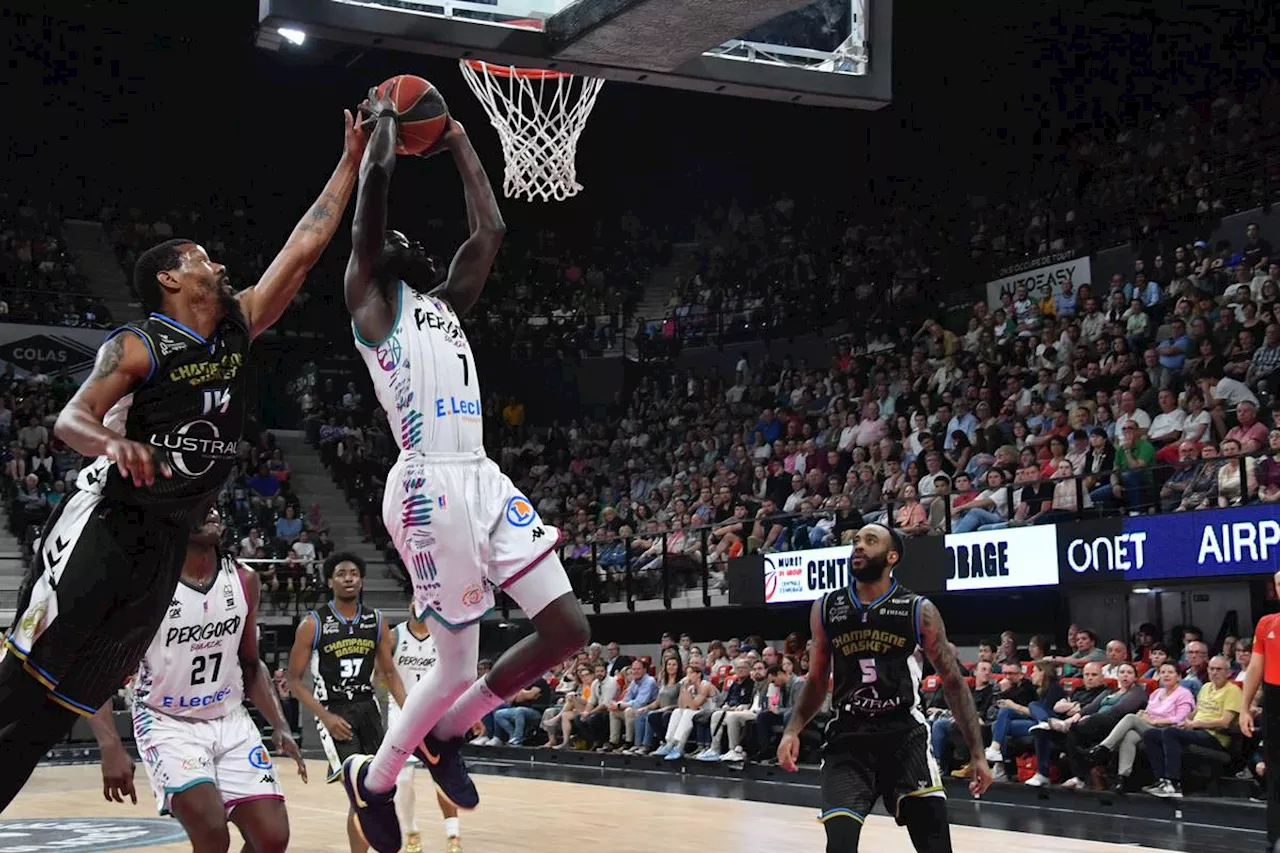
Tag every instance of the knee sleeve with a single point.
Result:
(843, 832)
(926, 821)
(405, 800)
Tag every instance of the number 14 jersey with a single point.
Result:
(424, 376)
(192, 667)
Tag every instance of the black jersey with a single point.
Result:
(343, 654)
(191, 409)
(874, 667)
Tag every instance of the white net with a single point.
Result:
(539, 116)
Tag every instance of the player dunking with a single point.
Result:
(202, 751)
(457, 521)
(415, 654)
(877, 744)
(345, 646)
(167, 398)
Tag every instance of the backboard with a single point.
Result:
(827, 53)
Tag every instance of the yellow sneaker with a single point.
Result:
(961, 773)
(453, 845)
(413, 843)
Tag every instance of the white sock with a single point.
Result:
(451, 827)
(405, 801)
(471, 706)
(457, 652)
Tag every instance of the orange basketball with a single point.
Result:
(423, 112)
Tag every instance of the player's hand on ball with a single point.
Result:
(453, 133)
(979, 775)
(286, 745)
(117, 776)
(789, 752)
(356, 137)
(337, 726)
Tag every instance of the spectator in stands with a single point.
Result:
(1094, 721)
(942, 731)
(524, 710)
(1117, 656)
(1157, 656)
(737, 696)
(1086, 650)
(1237, 479)
(1197, 674)
(1131, 470)
(263, 484)
(1218, 706)
(561, 719)
(289, 526)
(784, 689)
(1169, 705)
(695, 694)
(1018, 709)
(737, 720)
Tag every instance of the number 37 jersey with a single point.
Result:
(425, 377)
(192, 667)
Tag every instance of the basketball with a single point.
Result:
(423, 112)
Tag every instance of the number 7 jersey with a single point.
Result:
(192, 667)
(424, 376)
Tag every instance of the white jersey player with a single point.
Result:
(201, 749)
(459, 524)
(414, 656)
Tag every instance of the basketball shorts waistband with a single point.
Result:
(455, 458)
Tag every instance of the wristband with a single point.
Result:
(387, 113)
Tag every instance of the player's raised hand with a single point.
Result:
(285, 745)
(979, 775)
(117, 776)
(789, 752)
(450, 137)
(356, 137)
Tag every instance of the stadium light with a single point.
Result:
(293, 36)
(1141, 590)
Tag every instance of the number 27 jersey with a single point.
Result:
(424, 376)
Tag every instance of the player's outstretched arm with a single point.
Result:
(257, 683)
(124, 362)
(933, 638)
(812, 695)
(370, 307)
(471, 265)
(263, 303)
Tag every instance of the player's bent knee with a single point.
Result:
(843, 832)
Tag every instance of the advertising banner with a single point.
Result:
(1211, 543)
(1048, 276)
(1002, 559)
(51, 348)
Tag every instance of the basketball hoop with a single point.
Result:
(539, 116)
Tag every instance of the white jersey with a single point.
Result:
(192, 667)
(413, 657)
(424, 376)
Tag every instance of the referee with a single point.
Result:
(1264, 670)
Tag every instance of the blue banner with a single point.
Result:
(1212, 543)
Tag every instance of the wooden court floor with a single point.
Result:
(535, 816)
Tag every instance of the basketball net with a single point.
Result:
(539, 116)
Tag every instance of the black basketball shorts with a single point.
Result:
(95, 594)
(856, 769)
(366, 733)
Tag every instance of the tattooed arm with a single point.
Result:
(812, 694)
(263, 303)
(124, 362)
(933, 638)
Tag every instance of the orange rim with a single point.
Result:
(482, 67)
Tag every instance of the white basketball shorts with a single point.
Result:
(462, 528)
(227, 752)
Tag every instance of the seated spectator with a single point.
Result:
(524, 710)
(263, 484)
(780, 700)
(1218, 706)
(560, 720)
(942, 731)
(1157, 655)
(593, 723)
(1117, 656)
(1049, 732)
(1196, 674)
(304, 551)
(1131, 471)
(641, 692)
(1169, 705)
(655, 716)
(1086, 650)
(1233, 490)
(277, 466)
(1021, 706)
(695, 694)
(1201, 491)
(1095, 721)
(737, 697)
(737, 720)
(288, 526)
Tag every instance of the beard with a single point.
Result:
(873, 569)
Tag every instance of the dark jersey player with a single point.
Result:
(344, 645)
(457, 521)
(876, 745)
(162, 414)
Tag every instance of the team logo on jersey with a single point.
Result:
(520, 512)
(424, 566)
(420, 539)
(260, 758)
(410, 428)
(175, 609)
(416, 511)
(169, 345)
(388, 353)
(195, 437)
(472, 595)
